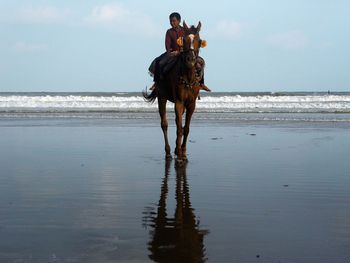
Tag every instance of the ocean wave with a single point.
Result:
(208, 103)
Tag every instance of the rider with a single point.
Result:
(167, 59)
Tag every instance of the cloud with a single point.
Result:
(22, 47)
(119, 18)
(108, 14)
(227, 29)
(290, 40)
(41, 15)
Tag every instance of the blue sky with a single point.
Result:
(253, 45)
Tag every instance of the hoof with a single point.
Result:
(179, 160)
(168, 157)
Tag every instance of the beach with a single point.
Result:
(100, 190)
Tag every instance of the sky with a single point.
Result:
(107, 46)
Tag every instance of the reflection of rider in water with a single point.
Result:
(162, 64)
(178, 238)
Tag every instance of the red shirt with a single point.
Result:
(170, 39)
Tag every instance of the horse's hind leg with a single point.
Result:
(164, 124)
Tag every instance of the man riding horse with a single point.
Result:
(178, 77)
(162, 64)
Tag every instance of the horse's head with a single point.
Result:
(191, 43)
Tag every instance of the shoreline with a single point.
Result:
(151, 119)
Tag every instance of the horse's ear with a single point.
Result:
(199, 26)
(185, 25)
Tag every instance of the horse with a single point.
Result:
(181, 86)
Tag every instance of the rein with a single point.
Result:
(183, 79)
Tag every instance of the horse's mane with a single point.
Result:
(192, 30)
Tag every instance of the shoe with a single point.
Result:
(153, 86)
(203, 87)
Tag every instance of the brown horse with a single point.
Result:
(180, 86)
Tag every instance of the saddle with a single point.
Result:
(161, 65)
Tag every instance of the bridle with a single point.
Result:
(183, 79)
(185, 51)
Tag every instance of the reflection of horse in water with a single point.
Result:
(181, 86)
(177, 239)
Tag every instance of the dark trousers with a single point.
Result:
(162, 65)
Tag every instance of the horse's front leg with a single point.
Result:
(189, 112)
(164, 125)
(179, 110)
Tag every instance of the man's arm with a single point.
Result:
(168, 41)
(168, 37)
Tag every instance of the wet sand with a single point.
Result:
(101, 191)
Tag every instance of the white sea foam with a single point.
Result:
(331, 103)
(210, 103)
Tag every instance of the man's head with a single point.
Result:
(174, 19)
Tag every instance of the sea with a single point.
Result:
(275, 107)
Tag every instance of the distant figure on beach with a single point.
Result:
(162, 64)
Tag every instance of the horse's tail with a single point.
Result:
(150, 97)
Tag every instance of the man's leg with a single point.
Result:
(200, 67)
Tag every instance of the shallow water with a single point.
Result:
(87, 191)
